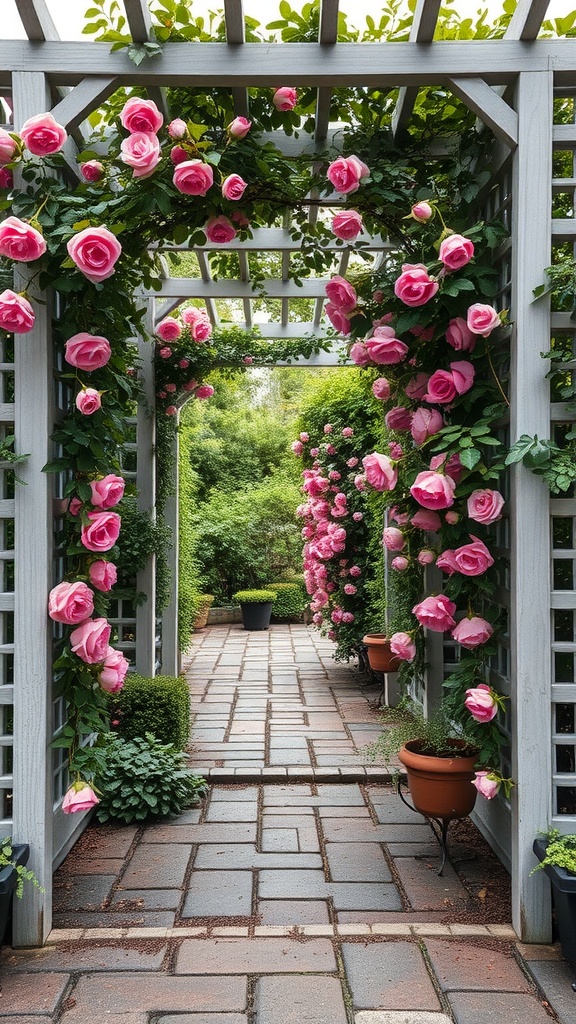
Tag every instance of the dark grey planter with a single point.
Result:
(8, 878)
(256, 614)
(564, 894)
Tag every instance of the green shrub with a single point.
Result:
(290, 600)
(143, 778)
(254, 596)
(160, 706)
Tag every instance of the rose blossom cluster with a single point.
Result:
(174, 338)
(141, 150)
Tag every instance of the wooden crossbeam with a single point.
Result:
(209, 284)
(192, 288)
(82, 100)
(37, 20)
(489, 106)
(422, 31)
(140, 25)
(527, 19)
(234, 22)
(276, 240)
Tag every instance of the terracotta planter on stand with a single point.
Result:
(380, 657)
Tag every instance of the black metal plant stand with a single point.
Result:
(439, 828)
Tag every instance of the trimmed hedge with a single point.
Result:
(254, 596)
(290, 600)
(160, 706)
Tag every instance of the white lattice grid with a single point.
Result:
(563, 508)
(6, 590)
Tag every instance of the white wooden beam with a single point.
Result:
(192, 288)
(146, 483)
(527, 19)
(489, 107)
(140, 25)
(277, 240)
(235, 34)
(422, 31)
(82, 100)
(170, 664)
(207, 279)
(37, 20)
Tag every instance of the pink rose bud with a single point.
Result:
(359, 354)
(385, 348)
(345, 174)
(481, 703)
(95, 252)
(239, 127)
(486, 785)
(233, 187)
(304, 437)
(171, 410)
(103, 575)
(341, 294)
(433, 490)
(20, 241)
(193, 177)
(422, 212)
(459, 335)
(74, 506)
(177, 128)
(455, 252)
(70, 603)
(347, 432)
(42, 135)
(297, 447)
(435, 613)
(347, 225)
(379, 471)
(426, 556)
(87, 351)
(204, 391)
(178, 155)
(169, 329)
(285, 98)
(101, 532)
(403, 646)
(220, 230)
(398, 418)
(399, 563)
(472, 632)
(357, 517)
(16, 313)
(482, 319)
(113, 672)
(415, 287)
(485, 506)
(141, 152)
(138, 115)
(393, 539)
(337, 318)
(80, 797)
(8, 147)
(90, 640)
(424, 519)
(6, 178)
(170, 389)
(452, 518)
(88, 401)
(107, 491)
(381, 389)
(92, 170)
(183, 364)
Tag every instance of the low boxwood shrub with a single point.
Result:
(142, 778)
(160, 706)
(290, 600)
(254, 596)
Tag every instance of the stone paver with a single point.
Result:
(400, 1017)
(98, 998)
(311, 1000)
(389, 976)
(256, 956)
(465, 967)
(496, 1007)
(23, 995)
(219, 894)
(154, 867)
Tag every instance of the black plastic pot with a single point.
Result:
(564, 895)
(256, 614)
(8, 879)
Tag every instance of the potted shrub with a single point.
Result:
(256, 606)
(203, 606)
(290, 601)
(557, 856)
(13, 875)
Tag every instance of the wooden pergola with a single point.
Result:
(510, 84)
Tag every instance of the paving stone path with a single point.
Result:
(301, 892)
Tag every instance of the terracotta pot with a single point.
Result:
(380, 656)
(440, 787)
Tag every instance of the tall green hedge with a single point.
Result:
(160, 706)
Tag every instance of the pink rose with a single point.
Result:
(425, 423)
(177, 128)
(455, 252)
(340, 293)
(393, 539)
(435, 613)
(398, 418)
(463, 376)
(233, 187)
(239, 127)
(88, 401)
(337, 318)
(472, 632)
(459, 335)
(20, 241)
(381, 389)
(481, 703)
(92, 170)
(172, 410)
(141, 151)
(379, 471)
(113, 672)
(169, 329)
(193, 177)
(8, 147)
(6, 178)
(433, 490)
(347, 432)
(424, 519)
(469, 559)
(16, 313)
(452, 518)
(485, 506)
(486, 785)
(452, 467)
(418, 386)
(165, 352)
(74, 506)
(421, 212)
(482, 319)
(297, 447)
(108, 491)
(201, 329)
(385, 348)
(285, 98)
(345, 174)
(359, 354)
(70, 603)
(204, 391)
(403, 646)
(138, 115)
(240, 218)
(102, 531)
(426, 557)
(90, 640)
(87, 351)
(80, 797)
(305, 436)
(178, 155)
(400, 562)
(441, 388)
(103, 575)
(415, 287)
(220, 229)
(347, 224)
(42, 135)
(94, 251)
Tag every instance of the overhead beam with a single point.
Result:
(422, 31)
(140, 25)
(527, 19)
(489, 107)
(82, 100)
(276, 240)
(312, 64)
(235, 34)
(193, 288)
(37, 20)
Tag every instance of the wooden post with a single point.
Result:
(33, 795)
(529, 512)
(146, 482)
(170, 647)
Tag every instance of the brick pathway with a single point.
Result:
(301, 892)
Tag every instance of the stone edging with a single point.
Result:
(504, 932)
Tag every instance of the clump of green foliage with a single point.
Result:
(435, 735)
(290, 600)
(142, 778)
(23, 874)
(160, 706)
(560, 852)
(254, 596)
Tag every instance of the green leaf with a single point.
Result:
(470, 457)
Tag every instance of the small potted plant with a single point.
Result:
(13, 875)
(203, 606)
(256, 606)
(380, 656)
(557, 856)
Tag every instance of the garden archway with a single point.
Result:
(475, 71)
